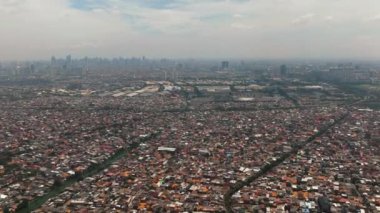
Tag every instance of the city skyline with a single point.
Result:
(273, 29)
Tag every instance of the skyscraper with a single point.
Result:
(225, 65)
(53, 60)
(68, 59)
(283, 70)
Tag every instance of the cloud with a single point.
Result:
(305, 19)
(374, 18)
(241, 26)
(188, 28)
(329, 19)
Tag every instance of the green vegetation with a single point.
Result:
(369, 87)
(361, 89)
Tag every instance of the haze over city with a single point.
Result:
(204, 106)
(271, 29)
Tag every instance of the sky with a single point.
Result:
(263, 29)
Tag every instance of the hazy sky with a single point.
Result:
(38, 29)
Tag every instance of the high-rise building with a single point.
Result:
(68, 59)
(283, 70)
(32, 69)
(53, 60)
(225, 65)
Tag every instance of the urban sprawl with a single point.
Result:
(144, 135)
